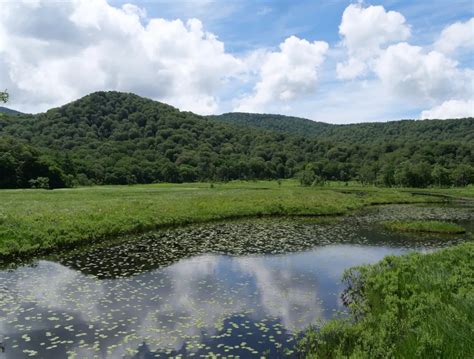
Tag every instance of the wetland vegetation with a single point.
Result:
(425, 226)
(40, 221)
(247, 287)
(411, 306)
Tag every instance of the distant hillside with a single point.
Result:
(295, 125)
(376, 132)
(9, 111)
(120, 138)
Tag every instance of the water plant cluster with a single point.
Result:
(141, 253)
(425, 226)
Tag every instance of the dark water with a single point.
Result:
(229, 289)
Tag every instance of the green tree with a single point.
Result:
(367, 174)
(386, 175)
(20, 163)
(413, 174)
(4, 96)
(463, 175)
(307, 176)
(440, 176)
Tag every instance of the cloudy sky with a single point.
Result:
(335, 61)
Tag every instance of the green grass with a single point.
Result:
(425, 227)
(40, 221)
(412, 306)
(459, 192)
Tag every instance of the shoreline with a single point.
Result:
(46, 222)
(16, 259)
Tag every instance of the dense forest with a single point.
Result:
(374, 132)
(119, 138)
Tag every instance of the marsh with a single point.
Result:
(244, 288)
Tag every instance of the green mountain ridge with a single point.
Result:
(121, 138)
(378, 131)
(9, 111)
(274, 122)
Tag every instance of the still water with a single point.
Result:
(243, 288)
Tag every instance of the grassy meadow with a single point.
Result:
(40, 221)
(411, 306)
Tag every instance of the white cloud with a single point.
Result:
(374, 38)
(54, 52)
(364, 31)
(286, 74)
(457, 35)
(450, 109)
(410, 72)
(51, 53)
(350, 69)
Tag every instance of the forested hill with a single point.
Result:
(8, 111)
(120, 138)
(375, 132)
(281, 123)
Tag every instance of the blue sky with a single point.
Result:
(395, 60)
(246, 25)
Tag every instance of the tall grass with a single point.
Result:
(412, 306)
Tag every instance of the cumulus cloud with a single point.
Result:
(450, 109)
(408, 71)
(286, 74)
(457, 35)
(374, 41)
(54, 52)
(51, 53)
(364, 31)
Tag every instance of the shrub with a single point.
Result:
(39, 182)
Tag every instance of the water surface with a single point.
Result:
(242, 288)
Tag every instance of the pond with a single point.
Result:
(242, 288)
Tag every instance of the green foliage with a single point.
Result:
(390, 135)
(295, 125)
(40, 182)
(413, 174)
(463, 175)
(20, 164)
(412, 306)
(386, 175)
(321, 181)
(119, 138)
(424, 226)
(307, 177)
(367, 174)
(440, 176)
(4, 96)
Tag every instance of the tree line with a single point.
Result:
(118, 138)
(405, 174)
